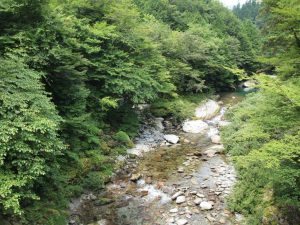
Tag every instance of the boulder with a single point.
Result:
(207, 110)
(171, 138)
(194, 126)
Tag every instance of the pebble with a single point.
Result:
(180, 199)
(176, 195)
(180, 170)
(174, 210)
(197, 201)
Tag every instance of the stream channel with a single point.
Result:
(168, 184)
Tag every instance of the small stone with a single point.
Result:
(174, 210)
(135, 177)
(200, 195)
(197, 201)
(210, 218)
(222, 221)
(180, 199)
(144, 193)
(148, 180)
(206, 206)
(180, 170)
(182, 222)
(176, 195)
(171, 220)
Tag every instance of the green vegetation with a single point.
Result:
(73, 72)
(265, 133)
(178, 109)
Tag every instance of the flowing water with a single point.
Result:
(141, 192)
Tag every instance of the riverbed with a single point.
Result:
(162, 183)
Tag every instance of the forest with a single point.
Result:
(74, 71)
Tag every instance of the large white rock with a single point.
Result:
(207, 110)
(171, 138)
(206, 206)
(194, 126)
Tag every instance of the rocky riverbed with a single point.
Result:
(173, 175)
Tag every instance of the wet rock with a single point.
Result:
(181, 222)
(176, 195)
(135, 177)
(206, 206)
(216, 139)
(194, 126)
(180, 199)
(171, 138)
(207, 110)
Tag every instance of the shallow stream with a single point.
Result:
(141, 192)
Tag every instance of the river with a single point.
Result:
(184, 183)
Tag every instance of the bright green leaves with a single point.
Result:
(29, 140)
(283, 35)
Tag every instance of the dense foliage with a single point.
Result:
(265, 133)
(249, 10)
(72, 72)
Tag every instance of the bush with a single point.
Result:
(123, 138)
(178, 108)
